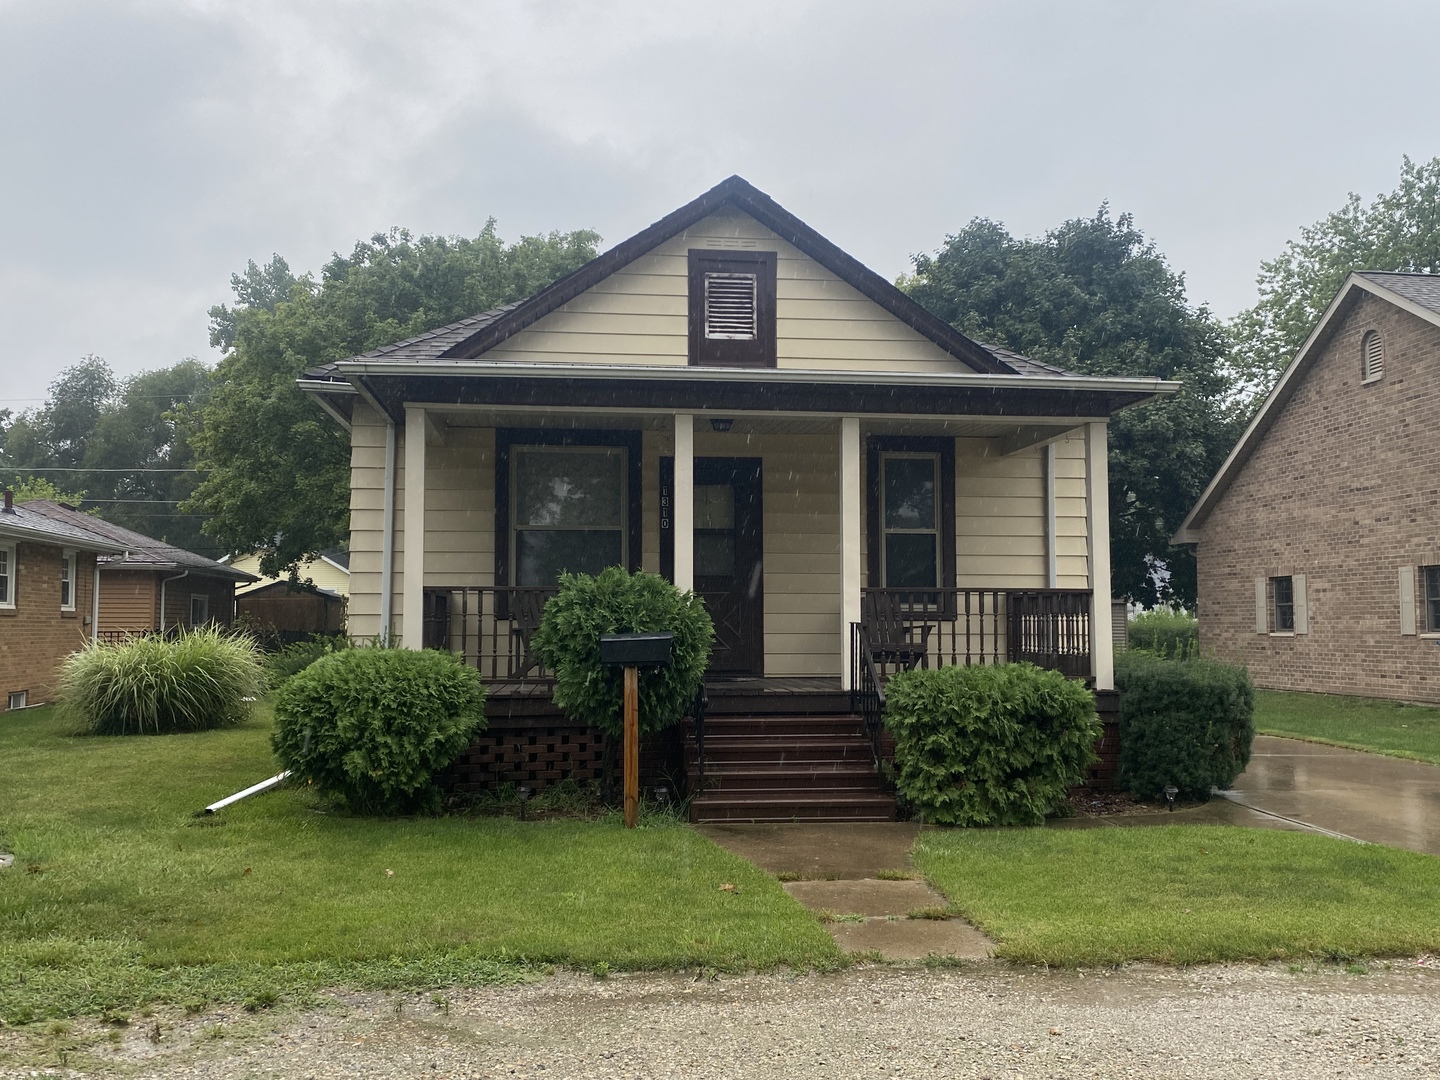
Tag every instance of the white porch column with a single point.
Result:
(850, 519)
(1097, 509)
(683, 516)
(413, 625)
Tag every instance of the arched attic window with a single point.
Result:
(1372, 356)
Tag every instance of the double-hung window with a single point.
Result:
(910, 521)
(568, 511)
(1430, 583)
(1283, 599)
(7, 575)
(67, 579)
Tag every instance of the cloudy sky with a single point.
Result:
(148, 148)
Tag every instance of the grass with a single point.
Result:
(1383, 727)
(1184, 894)
(121, 896)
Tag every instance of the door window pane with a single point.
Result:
(715, 554)
(714, 506)
(571, 487)
(540, 554)
(910, 561)
(909, 492)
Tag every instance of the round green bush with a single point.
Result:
(618, 602)
(374, 726)
(1187, 723)
(153, 685)
(989, 745)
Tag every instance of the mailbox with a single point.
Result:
(636, 650)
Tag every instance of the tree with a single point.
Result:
(1095, 297)
(114, 444)
(1397, 231)
(277, 468)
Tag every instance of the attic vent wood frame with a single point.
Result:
(732, 308)
(1372, 357)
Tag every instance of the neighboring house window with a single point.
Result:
(7, 575)
(910, 512)
(568, 511)
(1283, 590)
(732, 308)
(199, 610)
(1372, 356)
(67, 580)
(1430, 582)
(910, 520)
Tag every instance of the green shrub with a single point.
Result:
(618, 602)
(1165, 632)
(374, 726)
(298, 655)
(1183, 722)
(991, 745)
(153, 685)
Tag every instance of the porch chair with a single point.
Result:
(527, 606)
(891, 631)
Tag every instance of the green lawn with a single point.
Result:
(1385, 727)
(120, 894)
(1184, 894)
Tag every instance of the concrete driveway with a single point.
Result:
(1384, 800)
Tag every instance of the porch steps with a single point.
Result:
(786, 768)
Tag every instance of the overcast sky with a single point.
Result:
(148, 149)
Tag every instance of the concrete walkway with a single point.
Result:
(1384, 800)
(833, 870)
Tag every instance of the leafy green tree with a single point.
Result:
(1399, 230)
(276, 467)
(1094, 296)
(37, 487)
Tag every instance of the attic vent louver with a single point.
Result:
(1373, 351)
(730, 307)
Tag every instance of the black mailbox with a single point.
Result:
(636, 650)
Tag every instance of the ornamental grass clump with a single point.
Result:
(618, 602)
(1183, 723)
(374, 726)
(153, 685)
(989, 745)
(1168, 632)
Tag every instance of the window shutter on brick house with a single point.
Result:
(1302, 605)
(1262, 613)
(1407, 600)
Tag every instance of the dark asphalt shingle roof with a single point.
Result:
(137, 551)
(29, 522)
(1422, 289)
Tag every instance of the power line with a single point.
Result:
(85, 469)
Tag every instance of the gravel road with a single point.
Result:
(985, 1020)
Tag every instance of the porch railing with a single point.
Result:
(490, 627)
(956, 627)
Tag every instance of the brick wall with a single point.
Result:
(1344, 489)
(36, 635)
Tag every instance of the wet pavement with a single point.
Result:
(822, 851)
(1383, 800)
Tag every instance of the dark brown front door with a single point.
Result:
(729, 557)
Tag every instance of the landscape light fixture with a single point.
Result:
(1170, 792)
(524, 794)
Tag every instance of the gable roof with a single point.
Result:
(27, 522)
(471, 338)
(1419, 294)
(130, 550)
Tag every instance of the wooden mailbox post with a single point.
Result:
(632, 652)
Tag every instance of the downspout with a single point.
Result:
(387, 541)
(163, 583)
(95, 603)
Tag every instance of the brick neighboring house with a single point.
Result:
(151, 585)
(1318, 541)
(47, 599)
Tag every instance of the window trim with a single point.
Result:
(759, 352)
(69, 574)
(1427, 625)
(942, 447)
(937, 529)
(204, 599)
(11, 575)
(506, 439)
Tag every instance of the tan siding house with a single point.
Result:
(730, 400)
(1318, 542)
